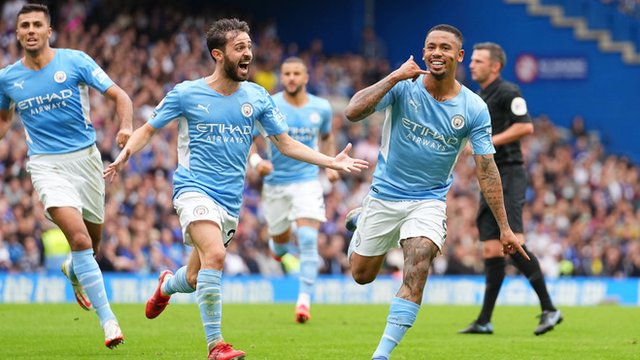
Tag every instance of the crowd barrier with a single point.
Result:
(454, 290)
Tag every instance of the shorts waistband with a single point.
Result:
(88, 151)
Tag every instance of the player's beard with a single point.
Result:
(231, 69)
(296, 90)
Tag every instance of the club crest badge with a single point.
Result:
(247, 109)
(457, 121)
(200, 210)
(60, 77)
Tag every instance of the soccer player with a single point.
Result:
(216, 117)
(48, 88)
(292, 190)
(430, 118)
(510, 122)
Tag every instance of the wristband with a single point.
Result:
(254, 160)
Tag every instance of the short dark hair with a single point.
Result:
(448, 28)
(294, 60)
(33, 7)
(496, 53)
(217, 33)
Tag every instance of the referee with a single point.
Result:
(510, 122)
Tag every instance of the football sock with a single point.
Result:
(531, 269)
(88, 273)
(208, 295)
(494, 272)
(70, 272)
(308, 240)
(177, 283)
(278, 249)
(402, 315)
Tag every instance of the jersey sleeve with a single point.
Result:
(517, 106)
(92, 74)
(387, 99)
(271, 120)
(480, 134)
(167, 110)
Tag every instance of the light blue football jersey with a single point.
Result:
(54, 102)
(422, 139)
(215, 133)
(305, 123)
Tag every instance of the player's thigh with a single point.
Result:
(200, 210)
(426, 219)
(276, 207)
(307, 200)
(378, 227)
(92, 187)
(54, 188)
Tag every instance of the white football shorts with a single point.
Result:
(283, 204)
(195, 206)
(382, 224)
(70, 180)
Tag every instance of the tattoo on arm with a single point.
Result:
(491, 185)
(364, 102)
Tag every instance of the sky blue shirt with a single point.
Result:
(215, 133)
(53, 102)
(422, 139)
(305, 123)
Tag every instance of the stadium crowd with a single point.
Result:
(583, 205)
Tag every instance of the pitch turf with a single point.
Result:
(335, 332)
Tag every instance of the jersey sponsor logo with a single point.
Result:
(247, 109)
(46, 102)
(19, 84)
(99, 74)
(421, 134)
(225, 133)
(457, 121)
(60, 77)
(204, 108)
(314, 118)
(518, 106)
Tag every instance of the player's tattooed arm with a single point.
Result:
(364, 102)
(491, 186)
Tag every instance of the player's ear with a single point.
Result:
(217, 54)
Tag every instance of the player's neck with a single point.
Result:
(222, 85)
(297, 100)
(442, 90)
(38, 60)
(489, 81)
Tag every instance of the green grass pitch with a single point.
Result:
(65, 331)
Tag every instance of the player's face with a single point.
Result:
(33, 31)
(238, 56)
(480, 65)
(442, 52)
(294, 77)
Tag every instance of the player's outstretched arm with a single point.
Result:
(297, 150)
(364, 102)
(328, 147)
(124, 111)
(138, 140)
(491, 186)
(6, 116)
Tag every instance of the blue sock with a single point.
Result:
(402, 315)
(70, 272)
(88, 273)
(208, 294)
(178, 283)
(308, 240)
(278, 249)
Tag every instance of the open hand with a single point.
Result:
(113, 168)
(344, 162)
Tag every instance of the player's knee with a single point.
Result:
(363, 277)
(80, 241)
